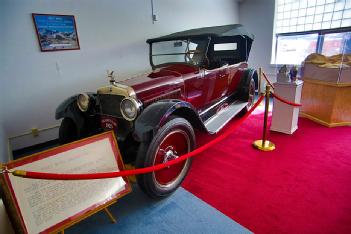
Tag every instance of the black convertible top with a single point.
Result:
(216, 31)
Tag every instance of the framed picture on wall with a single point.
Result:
(56, 32)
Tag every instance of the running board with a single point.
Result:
(218, 121)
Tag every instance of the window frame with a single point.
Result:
(321, 33)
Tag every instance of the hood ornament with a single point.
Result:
(111, 77)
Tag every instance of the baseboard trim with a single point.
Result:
(34, 148)
(330, 125)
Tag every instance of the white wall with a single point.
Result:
(258, 16)
(4, 154)
(4, 157)
(112, 35)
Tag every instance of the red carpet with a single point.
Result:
(304, 186)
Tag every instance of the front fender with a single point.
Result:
(157, 114)
(70, 104)
(69, 109)
(63, 107)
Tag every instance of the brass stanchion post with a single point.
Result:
(131, 178)
(259, 80)
(260, 71)
(264, 144)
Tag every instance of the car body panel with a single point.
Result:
(156, 84)
(205, 83)
(157, 114)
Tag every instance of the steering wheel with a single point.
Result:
(187, 56)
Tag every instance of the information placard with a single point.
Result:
(44, 206)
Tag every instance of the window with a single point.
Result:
(178, 51)
(225, 46)
(310, 26)
(291, 49)
(334, 43)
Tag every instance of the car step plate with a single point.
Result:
(218, 121)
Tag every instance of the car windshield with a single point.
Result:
(179, 51)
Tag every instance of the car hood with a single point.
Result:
(154, 84)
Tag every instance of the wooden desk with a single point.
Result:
(327, 103)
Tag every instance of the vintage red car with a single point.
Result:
(200, 80)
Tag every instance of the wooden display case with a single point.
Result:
(326, 102)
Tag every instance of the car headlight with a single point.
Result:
(83, 102)
(129, 108)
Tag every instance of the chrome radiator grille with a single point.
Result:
(110, 104)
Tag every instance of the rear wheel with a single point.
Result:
(249, 96)
(172, 140)
(68, 131)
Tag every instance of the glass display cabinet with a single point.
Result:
(326, 95)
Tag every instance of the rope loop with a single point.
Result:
(276, 96)
(138, 171)
(268, 81)
(285, 101)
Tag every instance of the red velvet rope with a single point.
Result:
(103, 175)
(268, 81)
(285, 101)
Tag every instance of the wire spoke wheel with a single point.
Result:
(172, 140)
(176, 143)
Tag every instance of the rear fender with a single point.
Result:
(157, 114)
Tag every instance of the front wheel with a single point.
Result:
(172, 140)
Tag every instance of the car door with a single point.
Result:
(196, 88)
(217, 83)
(221, 83)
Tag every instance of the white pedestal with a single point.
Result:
(285, 117)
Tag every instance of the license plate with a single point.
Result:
(108, 123)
